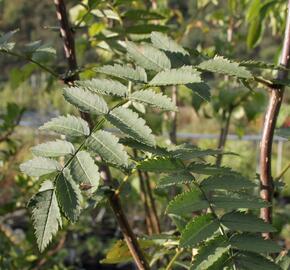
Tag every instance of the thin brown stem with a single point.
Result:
(223, 134)
(114, 200)
(153, 208)
(276, 96)
(173, 131)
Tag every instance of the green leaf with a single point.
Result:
(119, 252)
(160, 165)
(244, 222)
(254, 243)
(124, 72)
(153, 99)
(104, 86)
(174, 179)
(85, 101)
(68, 125)
(207, 169)
(85, 172)
(131, 125)
(284, 260)
(162, 41)
(45, 215)
(68, 196)
(39, 166)
(201, 89)
(158, 151)
(250, 261)
(180, 76)
(188, 151)
(222, 65)
(199, 229)
(187, 202)
(148, 57)
(209, 253)
(255, 32)
(235, 201)
(232, 181)
(108, 147)
(57, 148)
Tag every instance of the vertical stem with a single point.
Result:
(276, 96)
(223, 135)
(144, 197)
(173, 130)
(154, 214)
(114, 200)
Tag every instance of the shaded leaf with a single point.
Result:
(160, 165)
(187, 202)
(200, 89)
(199, 229)
(254, 243)
(207, 169)
(244, 222)
(209, 253)
(68, 196)
(174, 179)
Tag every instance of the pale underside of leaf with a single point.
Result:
(108, 147)
(148, 57)
(68, 125)
(85, 101)
(46, 216)
(165, 43)
(39, 166)
(53, 149)
(224, 66)
(180, 76)
(153, 99)
(131, 125)
(85, 172)
(104, 87)
(125, 72)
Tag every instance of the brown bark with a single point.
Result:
(276, 96)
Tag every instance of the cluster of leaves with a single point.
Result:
(225, 236)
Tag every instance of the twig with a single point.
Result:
(276, 96)
(172, 261)
(282, 173)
